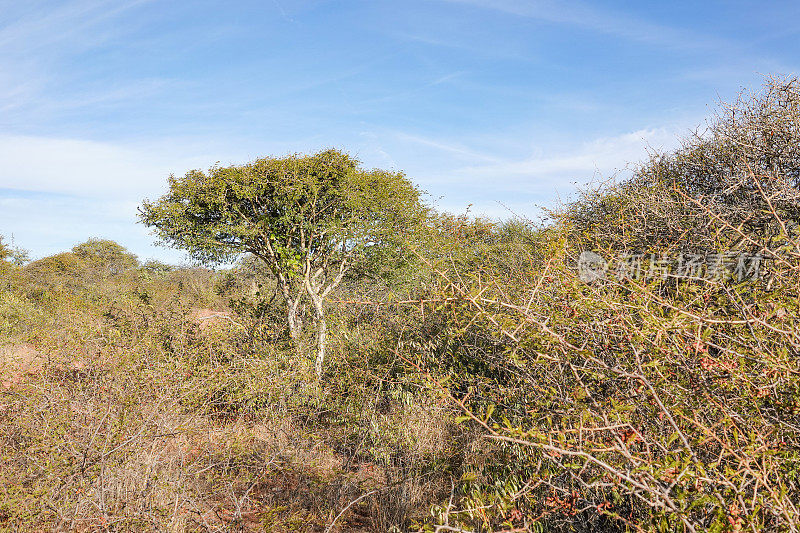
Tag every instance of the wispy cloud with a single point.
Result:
(490, 179)
(462, 171)
(33, 41)
(605, 155)
(71, 22)
(453, 148)
(605, 21)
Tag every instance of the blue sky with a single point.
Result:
(502, 104)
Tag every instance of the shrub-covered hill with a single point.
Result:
(483, 383)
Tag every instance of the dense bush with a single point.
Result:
(651, 401)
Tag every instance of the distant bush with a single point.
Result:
(105, 257)
(64, 269)
(156, 268)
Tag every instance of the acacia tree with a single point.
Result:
(309, 218)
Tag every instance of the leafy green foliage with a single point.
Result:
(284, 210)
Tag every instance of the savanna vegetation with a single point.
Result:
(345, 358)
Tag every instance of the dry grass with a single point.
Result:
(163, 416)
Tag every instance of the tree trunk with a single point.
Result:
(317, 293)
(322, 334)
(295, 323)
(322, 339)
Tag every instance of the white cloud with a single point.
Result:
(48, 224)
(90, 168)
(72, 166)
(55, 193)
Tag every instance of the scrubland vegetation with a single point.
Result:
(470, 380)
